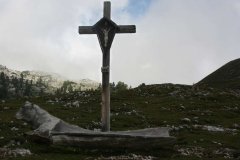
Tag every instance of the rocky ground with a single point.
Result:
(206, 122)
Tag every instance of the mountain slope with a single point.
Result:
(227, 76)
(41, 82)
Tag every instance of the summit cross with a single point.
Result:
(106, 29)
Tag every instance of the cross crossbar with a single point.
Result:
(86, 30)
(126, 29)
(121, 29)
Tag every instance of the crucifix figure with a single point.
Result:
(106, 29)
(105, 32)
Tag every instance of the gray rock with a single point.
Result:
(235, 125)
(196, 151)
(6, 108)
(76, 104)
(127, 157)
(5, 152)
(182, 107)
(213, 128)
(14, 129)
(187, 120)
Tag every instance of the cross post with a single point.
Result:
(106, 29)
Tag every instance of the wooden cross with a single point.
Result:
(106, 29)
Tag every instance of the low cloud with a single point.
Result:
(176, 41)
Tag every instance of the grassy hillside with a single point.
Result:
(205, 122)
(228, 76)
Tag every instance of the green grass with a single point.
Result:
(149, 106)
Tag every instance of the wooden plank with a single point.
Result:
(117, 142)
(86, 30)
(107, 10)
(126, 29)
(150, 138)
(144, 133)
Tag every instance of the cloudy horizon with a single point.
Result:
(177, 41)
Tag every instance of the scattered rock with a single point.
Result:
(182, 108)
(11, 143)
(133, 112)
(227, 153)
(174, 93)
(127, 157)
(14, 129)
(173, 128)
(164, 108)
(186, 120)
(5, 152)
(191, 151)
(50, 101)
(75, 104)
(233, 131)
(68, 105)
(6, 108)
(196, 119)
(218, 143)
(235, 125)
(213, 128)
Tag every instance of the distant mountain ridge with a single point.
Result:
(51, 82)
(227, 76)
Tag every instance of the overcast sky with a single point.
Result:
(177, 41)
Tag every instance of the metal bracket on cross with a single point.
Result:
(105, 69)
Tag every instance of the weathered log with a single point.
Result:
(145, 139)
(52, 129)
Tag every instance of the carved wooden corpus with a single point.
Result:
(106, 30)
